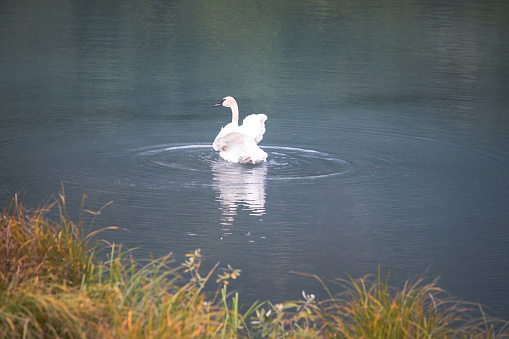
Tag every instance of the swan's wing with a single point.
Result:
(225, 136)
(254, 126)
(225, 141)
(238, 144)
(239, 147)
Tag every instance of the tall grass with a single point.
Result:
(370, 308)
(32, 246)
(53, 285)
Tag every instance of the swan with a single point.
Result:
(239, 143)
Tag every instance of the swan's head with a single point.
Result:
(227, 102)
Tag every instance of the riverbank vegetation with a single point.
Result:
(53, 283)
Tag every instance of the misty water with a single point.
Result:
(387, 134)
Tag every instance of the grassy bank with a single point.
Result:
(53, 284)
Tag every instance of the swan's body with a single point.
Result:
(239, 143)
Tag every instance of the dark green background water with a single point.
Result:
(387, 133)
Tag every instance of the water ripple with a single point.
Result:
(283, 163)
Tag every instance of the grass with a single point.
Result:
(53, 284)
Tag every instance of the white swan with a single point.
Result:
(239, 143)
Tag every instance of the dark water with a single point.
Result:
(387, 133)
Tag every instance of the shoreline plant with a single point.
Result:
(54, 284)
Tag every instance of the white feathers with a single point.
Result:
(239, 143)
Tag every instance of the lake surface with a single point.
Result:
(387, 134)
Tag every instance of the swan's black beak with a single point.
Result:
(219, 103)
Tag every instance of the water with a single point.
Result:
(387, 134)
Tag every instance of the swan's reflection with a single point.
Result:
(239, 186)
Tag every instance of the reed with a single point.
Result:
(53, 284)
(370, 308)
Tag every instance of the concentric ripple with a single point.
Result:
(287, 163)
(283, 163)
(196, 158)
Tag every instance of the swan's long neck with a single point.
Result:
(235, 114)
